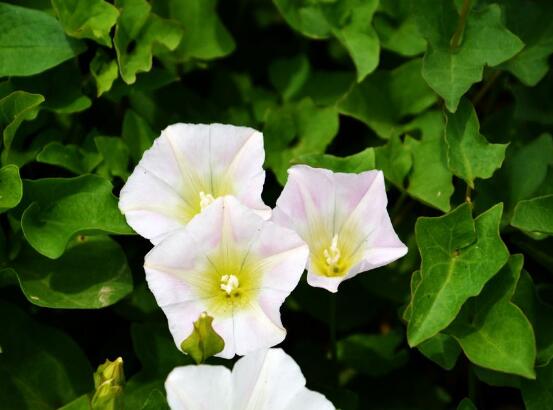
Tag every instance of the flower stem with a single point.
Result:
(456, 39)
(332, 327)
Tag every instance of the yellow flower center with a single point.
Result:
(229, 284)
(335, 257)
(205, 200)
(224, 292)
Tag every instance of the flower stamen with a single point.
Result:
(229, 283)
(205, 200)
(332, 255)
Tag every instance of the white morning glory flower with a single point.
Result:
(343, 219)
(263, 380)
(233, 265)
(186, 169)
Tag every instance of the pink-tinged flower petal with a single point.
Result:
(227, 263)
(267, 379)
(343, 219)
(270, 379)
(188, 167)
(200, 387)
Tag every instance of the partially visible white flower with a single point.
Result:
(264, 380)
(233, 265)
(343, 219)
(186, 169)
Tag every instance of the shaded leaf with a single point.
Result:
(137, 134)
(442, 349)
(395, 160)
(297, 129)
(66, 100)
(346, 20)
(91, 274)
(531, 23)
(374, 355)
(115, 157)
(385, 97)
(40, 367)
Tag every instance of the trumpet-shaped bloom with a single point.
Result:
(264, 380)
(233, 265)
(343, 219)
(186, 169)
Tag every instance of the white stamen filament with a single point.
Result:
(229, 283)
(205, 200)
(332, 254)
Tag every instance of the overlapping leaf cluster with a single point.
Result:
(451, 99)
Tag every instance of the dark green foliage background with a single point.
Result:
(452, 99)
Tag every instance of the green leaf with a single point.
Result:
(32, 41)
(346, 20)
(531, 23)
(289, 75)
(80, 403)
(203, 342)
(538, 394)
(326, 87)
(205, 37)
(539, 313)
(91, 274)
(397, 28)
(66, 100)
(104, 70)
(15, 108)
(71, 157)
(116, 157)
(534, 215)
(386, 97)
(459, 256)
(155, 401)
(466, 404)
(137, 32)
(40, 367)
(57, 209)
(137, 134)
(449, 68)
(395, 160)
(11, 187)
(154, 346)
(374, 355)
(92, 19)
(492, 331)
(442, 349)
(297, 129)
(469, 154)
(356, 163)
(430, 180)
